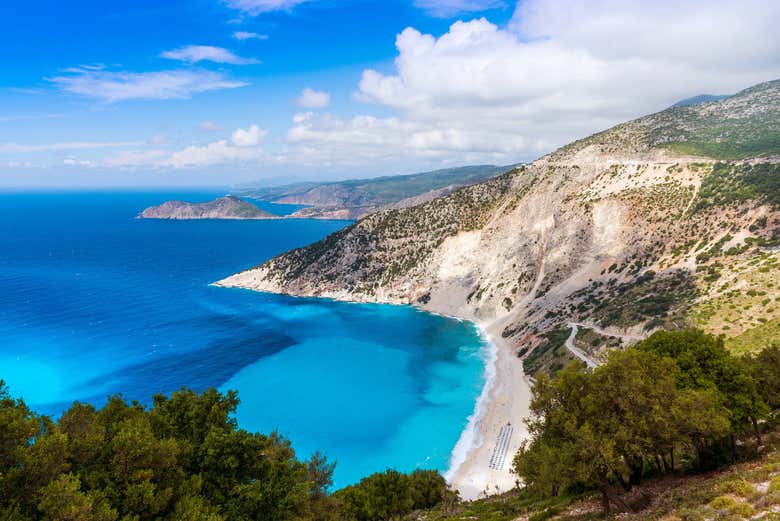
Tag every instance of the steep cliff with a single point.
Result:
(672, 219)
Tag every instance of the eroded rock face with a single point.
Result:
(228, 207)
(620, 230)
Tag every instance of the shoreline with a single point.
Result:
(506, 398)
(470, 438)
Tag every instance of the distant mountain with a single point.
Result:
(701, 98)
(355, 198)
(228, 207)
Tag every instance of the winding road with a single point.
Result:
(576, 351)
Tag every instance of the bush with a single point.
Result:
(390, 494)
(730, 504)
(738, 487)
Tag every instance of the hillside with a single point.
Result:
(701, 98)
(618, 230)
(588, 248)
(750, 490)
(355, 198)
(228, 207)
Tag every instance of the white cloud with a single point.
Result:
(250, 137)
(450, 8)
(69, 145)
(562, 69)
(313, 99)
(198, 53)
(213, 153)
(256, 7)
(368, 141)
(210, 126)
(246, 35)
(136, 158)
(71, 161)
(244, 145)
(24, 117)
(556, 74)
(112, 87)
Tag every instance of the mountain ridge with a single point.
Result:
(355, 198)
(521, 240)
(587, 249)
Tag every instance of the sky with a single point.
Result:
(141, 93)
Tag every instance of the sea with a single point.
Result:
(95, 302)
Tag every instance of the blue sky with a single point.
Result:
(219, 92)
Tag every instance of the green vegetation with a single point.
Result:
(742, 126)
(182, 459)
(698, 145)
(745, 125)
(657, 300)
(675, 401)
(755, 339)
(729, 183)
(753, 485)
(391, 495)
(550, 356)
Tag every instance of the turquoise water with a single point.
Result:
(95, 302)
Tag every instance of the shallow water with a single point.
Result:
(94, 302)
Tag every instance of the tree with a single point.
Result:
(62, 500)
(602, 428)
(704, 363)
(391, 495)
(765, 371)
(183, 459)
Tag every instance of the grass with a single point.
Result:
(755, 339)
(747, 490)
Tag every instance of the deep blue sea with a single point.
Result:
(95, 302)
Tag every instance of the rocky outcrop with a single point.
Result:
(649, 224)
(228, 207)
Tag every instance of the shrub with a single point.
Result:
(738, 487)
(730, 504)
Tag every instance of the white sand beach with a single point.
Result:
(499, 430)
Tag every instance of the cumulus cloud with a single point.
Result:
(560, 70)
(559, 73)
(113, 87)
(244, 145)
(213, 153)
(256, 7)
(246, 35)
(450, 8)
(198, 53)
(313, 99)
(250, 137)
(369, 141)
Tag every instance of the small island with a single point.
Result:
(227, 207)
